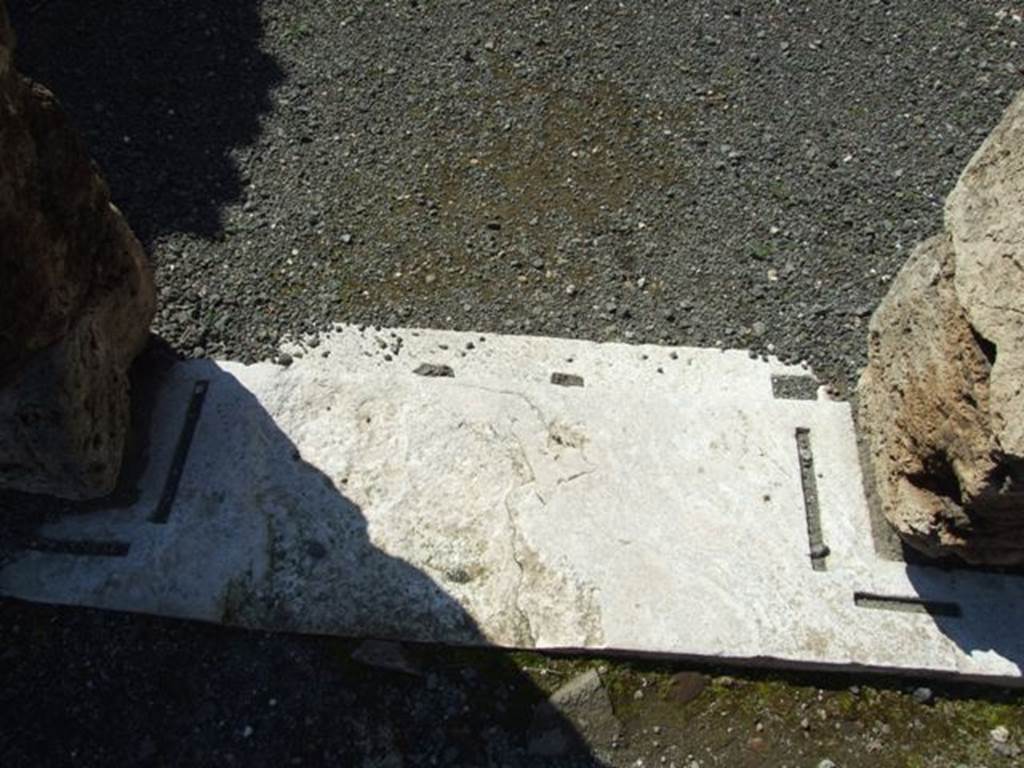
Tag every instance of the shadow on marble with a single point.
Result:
(297, 557)
(979, 622)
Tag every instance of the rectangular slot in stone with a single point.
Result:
(906, 605)
(434, 370)
(566, 379)
(816, 542)
(195, 408)
(88, 548)
(795, 387)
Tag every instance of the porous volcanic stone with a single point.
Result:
(942, 397)
(923, 403)
(985, 215)
(76, 300)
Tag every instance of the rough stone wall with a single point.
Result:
(76, 300)
(941, 402)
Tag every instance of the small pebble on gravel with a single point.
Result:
(923, 695)
(1000, 734)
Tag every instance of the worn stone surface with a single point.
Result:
(942, 397)
(658, 509)
(985, 216)
(76, 300)
(924, 402)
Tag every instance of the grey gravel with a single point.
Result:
(97, 689)
(746, 175)
(794, 387)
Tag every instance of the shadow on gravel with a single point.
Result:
(162, 92)
(257, 538)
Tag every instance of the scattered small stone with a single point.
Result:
(578, 710)
(687, 686)
(284, 359)
(385, 654)
(923, 695)
(757, 744)
(1009, 750)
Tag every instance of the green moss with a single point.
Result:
(796, 719)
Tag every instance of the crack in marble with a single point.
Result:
(575, 476)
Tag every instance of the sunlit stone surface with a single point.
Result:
(651, 500)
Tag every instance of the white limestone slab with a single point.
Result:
(657, 509)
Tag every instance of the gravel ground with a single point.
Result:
(88, 688)
(703, 173)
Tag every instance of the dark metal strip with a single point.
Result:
(195, 408)
(818, 550)
(93, 548)
(907, 604)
